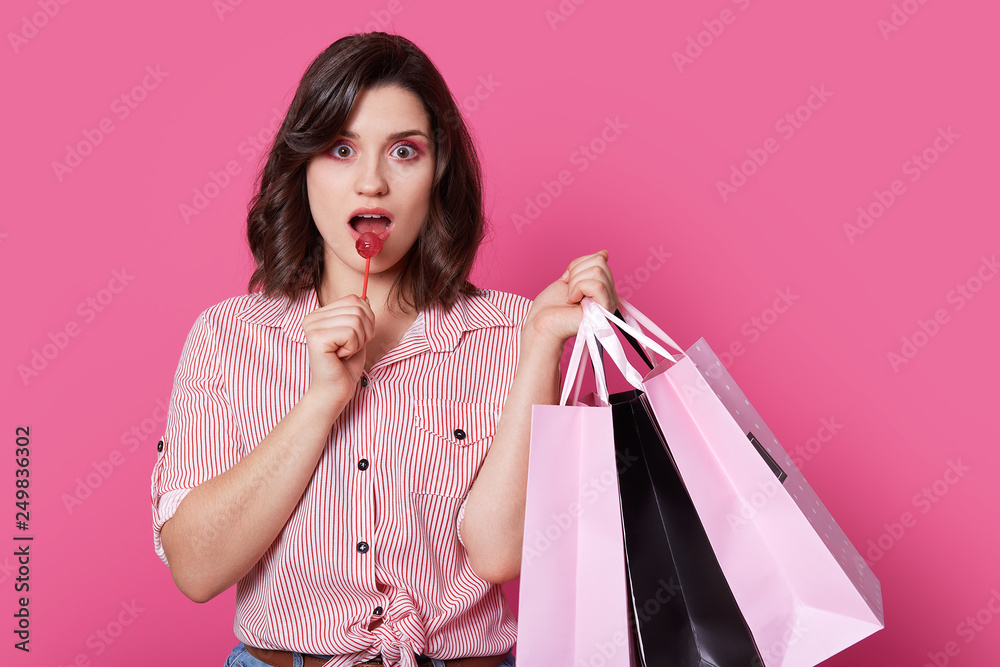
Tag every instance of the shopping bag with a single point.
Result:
(685, 613)
(573, 606)
(803, 589)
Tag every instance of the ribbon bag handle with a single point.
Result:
(585, 340)
(635, 319)
(596, 319)
(629, 326)
(596, 336)
(601, 320)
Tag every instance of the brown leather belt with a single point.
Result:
(284, 659)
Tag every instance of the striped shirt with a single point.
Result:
(375, 535)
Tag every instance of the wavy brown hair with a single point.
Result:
(283, 237)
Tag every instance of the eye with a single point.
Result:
(338, 151)
(409, 151)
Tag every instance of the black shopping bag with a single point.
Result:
(685, 613)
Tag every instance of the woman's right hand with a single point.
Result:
(336, 335)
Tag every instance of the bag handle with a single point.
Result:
(585, 340)
(595, 320)
(629, 326)
(597, 336)
(644, 354)
(635, 318)
(600, 320)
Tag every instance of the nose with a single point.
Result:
(370, 179)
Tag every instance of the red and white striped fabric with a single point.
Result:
(422, 420)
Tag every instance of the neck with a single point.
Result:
(340, 281)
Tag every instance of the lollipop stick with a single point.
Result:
(368, 245)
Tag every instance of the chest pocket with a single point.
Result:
(451, 439)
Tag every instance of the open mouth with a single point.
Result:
(376, 224)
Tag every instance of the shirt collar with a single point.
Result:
(441, 330)
(470, 312)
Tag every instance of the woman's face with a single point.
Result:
(383, 159)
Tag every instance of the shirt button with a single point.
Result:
(363, 464)
(459, 434)
(159, 446)
(363, 547)
(378, 611)
(364, 381)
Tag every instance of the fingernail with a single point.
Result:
(565, 275)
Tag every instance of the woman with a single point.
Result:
(357, 466)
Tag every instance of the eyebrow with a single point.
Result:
(392, 137)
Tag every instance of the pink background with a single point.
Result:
(651, 191)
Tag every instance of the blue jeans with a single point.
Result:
(240, 657)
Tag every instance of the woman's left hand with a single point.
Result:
(556, 313)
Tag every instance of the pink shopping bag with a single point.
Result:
(573, 605)
(804, 590)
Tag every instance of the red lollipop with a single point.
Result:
(368, 245)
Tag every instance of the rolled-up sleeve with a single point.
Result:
(201, 440)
